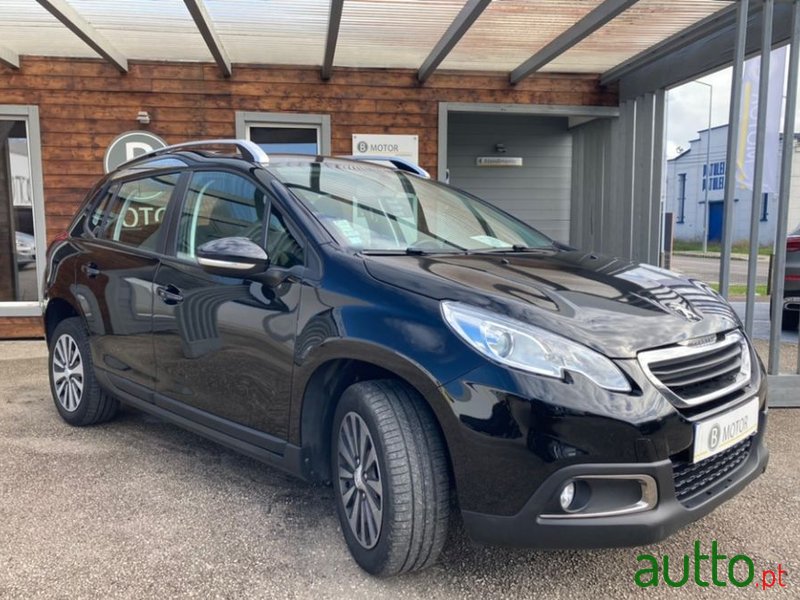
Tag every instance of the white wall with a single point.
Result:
(692, 164)
(539, 191)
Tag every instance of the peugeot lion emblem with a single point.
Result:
(683, 310)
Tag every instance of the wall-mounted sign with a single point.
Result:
(403, 146)
(498, 161)
(128, 146)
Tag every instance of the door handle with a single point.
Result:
(169, 294)
(91, 270)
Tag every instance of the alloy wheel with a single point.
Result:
(360, 484)
(67, 369)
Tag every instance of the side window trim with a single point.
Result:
(173, 213)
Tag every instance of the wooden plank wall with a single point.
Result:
(83, 104)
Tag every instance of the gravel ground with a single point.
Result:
(140, 509)
(788, 356)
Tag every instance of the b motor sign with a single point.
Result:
(379, 144)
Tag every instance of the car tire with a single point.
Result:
(400, 507)
(76, 393)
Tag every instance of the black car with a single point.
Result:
(412, 345)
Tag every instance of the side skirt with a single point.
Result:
(255, 444)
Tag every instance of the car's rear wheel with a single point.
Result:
(76, 392)
(390, 477)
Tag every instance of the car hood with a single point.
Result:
(613, 306)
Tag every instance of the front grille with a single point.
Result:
(692, 479)
(697, 374)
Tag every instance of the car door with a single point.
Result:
(116, 267)
(225, 345)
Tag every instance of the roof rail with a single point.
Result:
(249, 150)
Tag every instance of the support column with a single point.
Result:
(656, 209)
(758, 175)
(733, 137)
(643, 182)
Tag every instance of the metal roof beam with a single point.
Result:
(593, 21)
(704, 48)
(460, 25)
(80, 27)
(334, 20)
(715, 22)
(198, 11)
(9, 57)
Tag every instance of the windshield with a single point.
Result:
(372, 209)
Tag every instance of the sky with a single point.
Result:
(687, 109)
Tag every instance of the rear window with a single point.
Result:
(137, 212)
(100, 207)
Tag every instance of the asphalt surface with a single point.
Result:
(707, 268)
(761, 322)
(140, 509)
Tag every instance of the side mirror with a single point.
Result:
(232, 256)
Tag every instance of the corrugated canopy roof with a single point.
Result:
(573, 36)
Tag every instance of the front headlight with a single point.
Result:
(529, 348)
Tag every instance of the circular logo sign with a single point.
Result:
(130, 145)
(363, 146)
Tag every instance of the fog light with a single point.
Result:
(567, 496)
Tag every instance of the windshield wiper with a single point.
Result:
(514, 248)
(410, 251)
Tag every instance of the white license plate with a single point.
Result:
(719, 433)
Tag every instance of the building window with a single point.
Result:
(22, 227)
(681, 197)
(764, 206)
(286, 132)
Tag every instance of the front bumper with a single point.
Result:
(528, 528)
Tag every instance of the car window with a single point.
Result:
(137, 212)
(100, 207)
(282, 247)
(218, 205)
(369, 208)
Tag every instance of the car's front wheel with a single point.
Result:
(390, 477)
(76, 392)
